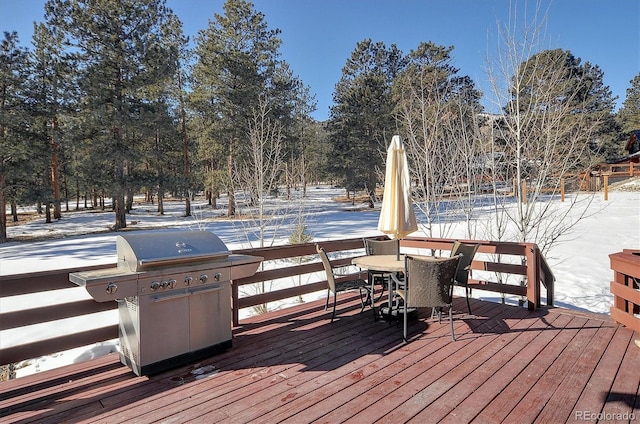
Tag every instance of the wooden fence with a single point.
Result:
(599, 178)
(500, 259)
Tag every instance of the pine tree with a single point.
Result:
(121, 57)
(51, 88)
(236, 61)
(361, 120)
(628, 116)
(14, 119)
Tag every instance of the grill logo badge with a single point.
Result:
(182, 247)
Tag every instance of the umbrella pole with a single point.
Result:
(398, 250)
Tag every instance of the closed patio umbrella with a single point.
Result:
(397, 218)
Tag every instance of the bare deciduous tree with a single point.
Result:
(259, 172)
(258, 175)
(437, 110)
(552, 111)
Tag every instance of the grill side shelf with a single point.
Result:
(106, 285)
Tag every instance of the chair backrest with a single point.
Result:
(327, 268)
(468, 251)
(381, 247)
(430, 280)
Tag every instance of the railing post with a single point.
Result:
(533, 282)
(625, 288)
(235, 312)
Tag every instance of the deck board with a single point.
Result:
(293, 365)
(540, 379)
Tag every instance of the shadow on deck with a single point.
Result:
(508, 364)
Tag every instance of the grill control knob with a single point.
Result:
(164, 284)
(187, 281)
(217, 276)
(203, 278)
(172, 283)
(155, 285)
(112, 288)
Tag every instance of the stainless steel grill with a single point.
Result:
(174, 296)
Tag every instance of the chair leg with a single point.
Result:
(383, 284)
(404, 330)
(363, 303)
(453, 336)
(326, 304)
(468, 293)
(335, 300)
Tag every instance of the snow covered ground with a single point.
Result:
(580, 262)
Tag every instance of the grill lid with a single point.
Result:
(141, 251)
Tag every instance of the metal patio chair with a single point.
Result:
(381, 247)
(428, 283)
(467, 251)
(336, 286)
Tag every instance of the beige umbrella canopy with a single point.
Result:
(397, 218)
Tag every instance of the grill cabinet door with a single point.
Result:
(210, 315)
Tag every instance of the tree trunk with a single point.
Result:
(55, 184)
(185, 163)
(120, 211)
(187, 205)
(231, 210)
(3, 208)
(161, 200)
(65, 190)
(129, 201)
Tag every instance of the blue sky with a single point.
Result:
(319, 35)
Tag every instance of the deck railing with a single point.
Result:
(511, 268)
(625, 288)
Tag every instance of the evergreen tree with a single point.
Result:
(179, 90)
(14, 120)
(236, 62)
(561, 100)
(51, 93)
(629, 114)
(121, 57)
(361, 119)
(628, 117)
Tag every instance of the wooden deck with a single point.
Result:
(508, 365)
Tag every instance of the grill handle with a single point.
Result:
(216, 287)
(157, 299)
